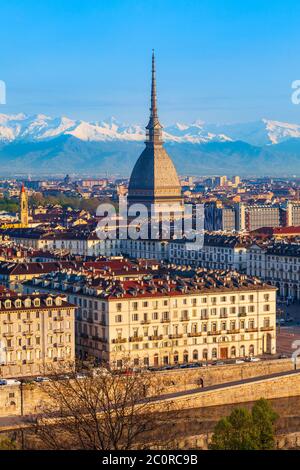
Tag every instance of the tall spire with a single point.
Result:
(153, 129)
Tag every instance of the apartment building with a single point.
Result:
(279, 265)
(36, 333)
(170, 319)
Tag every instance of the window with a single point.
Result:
(118, 318)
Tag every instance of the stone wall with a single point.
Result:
(33, 394)
(186, 379)
(278, 387)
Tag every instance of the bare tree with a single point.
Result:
(100, 411)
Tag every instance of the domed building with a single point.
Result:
(154, 178)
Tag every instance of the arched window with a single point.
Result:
(214, 353)
(176, 357)
(205, 354)
(185, 356)
(251, 350)
(146, 361)
(233, 351)
(242, 351)
(195, 355)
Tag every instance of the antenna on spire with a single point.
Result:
(153, 128)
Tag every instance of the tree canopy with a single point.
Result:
(246, 430)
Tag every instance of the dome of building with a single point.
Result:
(154, 178)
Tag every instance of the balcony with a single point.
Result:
(58, 330)
(27, 321)
(194, 334)
(267, 328)
(177, 336)
(155, 337)
(214, 333)
(8, 334)
(165, 320)
(244, 314)
(145, 322)
(251, 330)
(100, 339)
(135, 339)
(185, 318)
(84, 335)
(119, 340)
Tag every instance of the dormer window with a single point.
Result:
(18, 303)
(27, 303)
(36, 302)
(58, 301)
(49, 301)
(7, 304)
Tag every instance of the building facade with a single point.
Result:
(162, 321)
(36, 333)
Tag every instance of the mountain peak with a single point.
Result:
(42, 127)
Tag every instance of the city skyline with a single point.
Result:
(68, 60)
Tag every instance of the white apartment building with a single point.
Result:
(157, 322)
(278, 265)
(36, 333)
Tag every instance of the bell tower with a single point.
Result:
(23, 207)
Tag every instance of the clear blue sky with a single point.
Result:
(217, 60)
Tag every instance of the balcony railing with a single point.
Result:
(134, 339)
(155, 337)
(176, 336)
(119, 340)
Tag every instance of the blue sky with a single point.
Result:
(217, 60)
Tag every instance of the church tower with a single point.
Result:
(23, 207)
(154, 178)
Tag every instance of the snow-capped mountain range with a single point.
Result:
(21, 127)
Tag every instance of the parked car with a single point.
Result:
(3, 382)
(283, 356)
(41, 379)
(254, 359)
(195, 364)
(239, 361)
